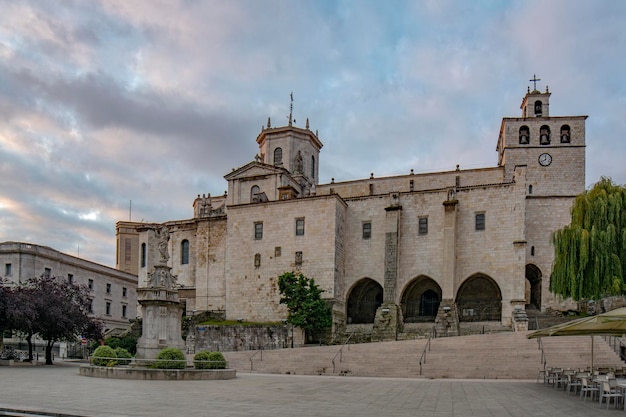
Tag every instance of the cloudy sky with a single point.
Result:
(104, 102)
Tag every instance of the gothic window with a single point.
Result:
(422, 226)
(367, 230)
(524, 134)
(184, 252)
(278, 156)
(258, 230)
(411, 185)
(90, 284)
(538, 110)
(544, 135)
(480, 221)
(124, 291)
(143, 255)
(532, 251)
(312, 166)
(254, 192)
(300, 227)
(530, 189)
(565, 134)
(257, 260)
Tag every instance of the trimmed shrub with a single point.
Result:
(170, 358)
(102, 356)
(217, 360)
(199, 358)
(123, 356)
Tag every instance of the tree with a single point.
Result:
(304, 303)
(22, 314)
(590, 253)
(6, 293)
(62, 312)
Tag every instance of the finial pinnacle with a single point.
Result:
(291, 110)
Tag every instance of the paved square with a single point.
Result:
(59, 389)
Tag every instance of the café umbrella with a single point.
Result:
(611, 323)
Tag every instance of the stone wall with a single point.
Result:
(238, 338)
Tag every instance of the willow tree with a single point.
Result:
(590, 253)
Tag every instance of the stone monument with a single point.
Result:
(160, 308)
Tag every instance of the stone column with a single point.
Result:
(388, 320)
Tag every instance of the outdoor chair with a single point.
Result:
(587, 388)
(573, 381)
(609, 390)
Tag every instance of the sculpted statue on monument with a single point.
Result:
(163, 234)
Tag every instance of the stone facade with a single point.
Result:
(477, 241)
(113, 292)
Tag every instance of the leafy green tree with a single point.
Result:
(590, 253)
(304, 302)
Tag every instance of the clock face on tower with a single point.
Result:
(545, 159)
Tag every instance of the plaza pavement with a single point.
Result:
(58, 390)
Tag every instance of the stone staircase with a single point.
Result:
(489, 356)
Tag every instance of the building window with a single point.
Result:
(184, 252)
(47, 272)
(90, 306)
(257, 260)
(538, 108)
(532, 251)
(70, 279)
(123, 311)
(565, 134)
(277, 251)
(127, 250)
(278, 156)
(254, 194)
(480, 221)
(312, 166)
(258, 230)
(367, 230)
(530, 189)
(108, 288)
(7, 269)
(124, 291)
(299, 227)
(298, 258)
(422, 226)
(544, 135)
(108, 309)
(411, 185)
(143, 255)
(524, 135)
(90, 284)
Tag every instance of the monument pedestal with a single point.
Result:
(162, 314)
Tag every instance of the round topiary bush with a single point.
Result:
(102, 356)
(170, 358)
(217, 360)
(200, 360)
(123, 356)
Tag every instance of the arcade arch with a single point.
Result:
(364, 298)
(420, 300)
(479, 299)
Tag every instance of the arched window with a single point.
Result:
(278, 156)
(312, 166)
(143, 255)
(184, 252)
(544, 135)
(538, 109)
(565, 134)
(254, 192)
(524, 134)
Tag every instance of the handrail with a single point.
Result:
(340, 353)
(544, 360)
(432, 334)
(251, 358)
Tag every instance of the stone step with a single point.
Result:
(499, 355)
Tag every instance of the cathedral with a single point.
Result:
(391, 254)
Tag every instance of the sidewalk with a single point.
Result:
(59, 389)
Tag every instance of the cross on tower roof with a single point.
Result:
(534, 80)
